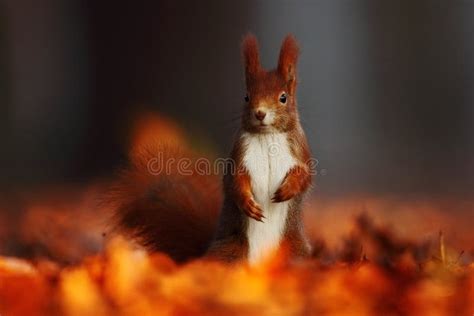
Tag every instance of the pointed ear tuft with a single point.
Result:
(250, 55)
(288, 58)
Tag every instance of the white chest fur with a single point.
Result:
(267, 158)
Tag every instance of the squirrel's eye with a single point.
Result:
(246, 98)
(283, 98)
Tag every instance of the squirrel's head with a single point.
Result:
(270, 101)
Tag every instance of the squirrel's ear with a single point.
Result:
(250, 56)
(287, 62)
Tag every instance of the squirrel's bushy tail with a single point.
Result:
(159, 202)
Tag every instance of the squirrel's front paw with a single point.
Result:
(284, 193)
(253, 210)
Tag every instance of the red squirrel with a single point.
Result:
(264, 184)
(271, 170)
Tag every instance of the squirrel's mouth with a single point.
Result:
(262, 126)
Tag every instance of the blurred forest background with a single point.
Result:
(386, 88)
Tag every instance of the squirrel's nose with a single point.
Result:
(260, 115)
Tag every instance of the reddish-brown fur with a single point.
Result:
(297, 180)
(168, 212)
(177, 214)
(239, 205)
